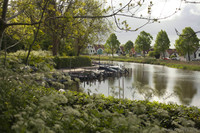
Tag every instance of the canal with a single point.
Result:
(151, 82)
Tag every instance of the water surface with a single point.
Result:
(153, 82)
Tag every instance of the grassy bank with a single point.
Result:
(193, 65)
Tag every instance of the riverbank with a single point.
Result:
(192, 65)
(28, 105)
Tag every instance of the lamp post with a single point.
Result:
(99, 52)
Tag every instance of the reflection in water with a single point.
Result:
(153, 81)
(160, 81)
(185, 90)
(111, 81)
(141, 75)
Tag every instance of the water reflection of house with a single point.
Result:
(92, 49)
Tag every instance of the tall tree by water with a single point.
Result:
(128, 46)
(143, 42)
(112, 43)
(162, 42)
(187, 43)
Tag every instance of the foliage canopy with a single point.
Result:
(187, 43)
(162, 42)
(143, 42)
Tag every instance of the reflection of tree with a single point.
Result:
(146, 91)
(185, 90)
(129, 77)
(141, 76)
(160, 82)
(141, 82)
(111, 81)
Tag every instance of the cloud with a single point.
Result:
(195, 10)
(187, 17)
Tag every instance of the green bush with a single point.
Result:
(27, 106)
(71, 62)
(151, 54)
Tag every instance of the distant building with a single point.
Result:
(194, 56)
(92, 49)
(120, 51)
(169, 53)
(135, 53)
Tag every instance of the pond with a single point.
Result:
(152, 82)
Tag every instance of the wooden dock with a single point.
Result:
(93, 73)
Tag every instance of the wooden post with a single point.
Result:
(123, 86)
(119, 87)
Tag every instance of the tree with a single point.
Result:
(67, 11)
(128, 46)
(112, 43)
(162, 42)
(143, 42)
(187, 43)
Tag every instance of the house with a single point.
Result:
(99, 47)
(120, 51)
(194, 56)
(169, 53)
(135, 53)
(92, 49)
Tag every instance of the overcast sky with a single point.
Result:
(188, 16)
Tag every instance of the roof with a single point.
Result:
(171, 51)
(133, 50)
(122, 48)
(197, 49)
(98, 46)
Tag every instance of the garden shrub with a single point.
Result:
(27, 105)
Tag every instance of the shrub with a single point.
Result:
(151, 54)
(26, 106)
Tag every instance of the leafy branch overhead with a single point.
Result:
(73, 21)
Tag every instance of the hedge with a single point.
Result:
(72, 62)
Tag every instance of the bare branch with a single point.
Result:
(14, 16)
(186, 35)
(192, 2)
(12, 24)
(15, 44)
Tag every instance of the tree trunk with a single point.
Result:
(144, 53)
(188, 56)
(55, 45)
(78, 51)
(2, 29)
(5, 53)
(112, 53)
(1, 38)
(164, 55)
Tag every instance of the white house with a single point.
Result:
(92, 49)
(169, 53)
(197, 54)
(194, 56)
